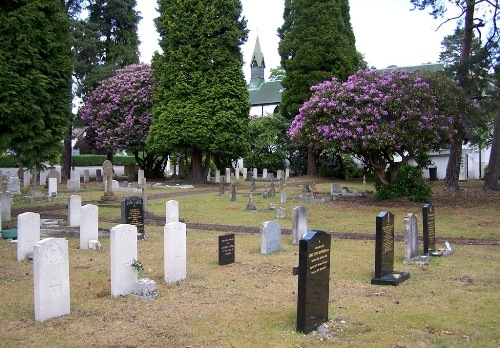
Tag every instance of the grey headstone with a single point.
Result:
(270, 237)
(299, 223)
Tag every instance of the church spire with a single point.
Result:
(257, 66)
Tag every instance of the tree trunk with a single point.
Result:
(453, 168)
(196, 172)
(66, 156)
(206, 167)
(491, 177)
(312, 169)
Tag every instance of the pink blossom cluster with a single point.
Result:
(120, 108)
(375, 112)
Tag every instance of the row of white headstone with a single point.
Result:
(51, 255)
(51, 258)
(244, 172)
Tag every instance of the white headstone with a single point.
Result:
(237, 173)
(5, 206)
(140, 176)
(334, 188)
(287, 173)
(123, 252)
(115, 184)
(171, 211)
(228, 174)
(175, 252)
(217, 176)
(208, 175)
(299, 223)
(270, 237)
(255, 173)
(52, 187)
(74, 210)
(89, 224)
(264, 173)
(279, 174)
(283, 197)
(51, 278)
(281, 212)
(28, 233)
(26, 177)
(86, 175)
(244, 173)
(13, 185)
(74, 181)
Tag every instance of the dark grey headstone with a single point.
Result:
(132, 213)
(429, 228)
(314, 280)
(226, 249)
(384, 252)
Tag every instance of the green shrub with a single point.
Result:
(409, 184)
(97, 160)
(8, 162)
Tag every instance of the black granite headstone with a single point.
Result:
(226, 249)
(384, 252)
(429, 228)
(314, 280)
(132, 213)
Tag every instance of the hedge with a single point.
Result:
(77, 161)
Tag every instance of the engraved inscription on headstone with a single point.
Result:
(429, 228)
(314, 280)
(226, 249)
(384, 252)
(51, 278)
(132, 213)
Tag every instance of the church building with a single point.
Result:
(265, 96)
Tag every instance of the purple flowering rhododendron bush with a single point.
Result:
(375, 116)
(120, 108)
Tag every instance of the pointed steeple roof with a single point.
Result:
(257, 66)
(258, 56)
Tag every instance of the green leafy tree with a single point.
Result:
(35, 70)
(277, 74)
(477, 82)
(471, 21)
(267, 149)
(317, 42)
(201, 102)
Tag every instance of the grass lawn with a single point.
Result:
(452, 302)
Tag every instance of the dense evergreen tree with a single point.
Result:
(317, 43)
(201, 103)
(35, 71)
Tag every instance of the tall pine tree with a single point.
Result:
(317, 42)
(201, 102)
(35, 79)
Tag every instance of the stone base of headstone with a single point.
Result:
(418, 260)
(108, 197)
(394, 278)
(145, 289)
(142, 236)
